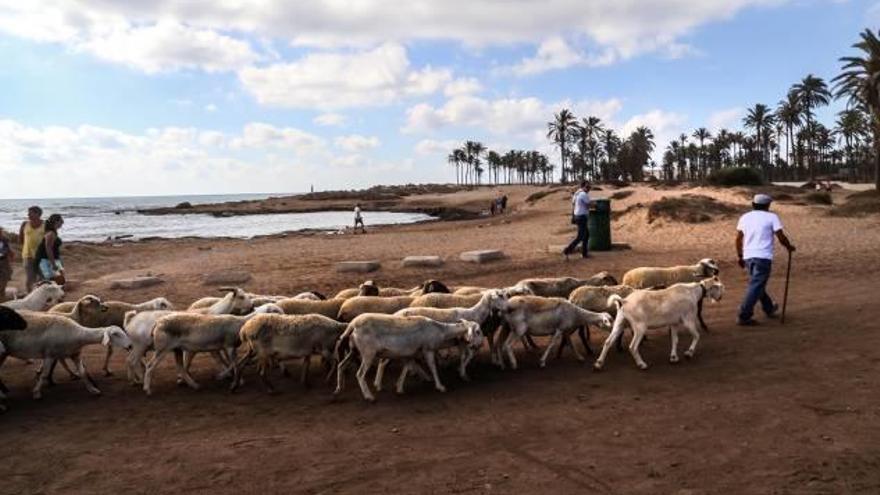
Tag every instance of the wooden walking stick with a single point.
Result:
(785, 295)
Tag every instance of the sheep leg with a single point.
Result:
(225, 365)
(692, 328)
(106, 367)
(584, 334)
(609, 341)
(556, 340)
(577, 354)
(466, 355)
(43, 377)
(340, 371)
(530, 344)
(508, 349)
(151, 365)
(263, 368)
(3, 389)
(304, 374)
(87, 380)
(133, 364)
(432, 365)
(402, 378)
(183, 364)
(236, 377)
(638, 335)
(380, 374)
(366, 364)
(673, 337)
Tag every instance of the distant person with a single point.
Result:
(30, 234)
(580, 203)
(493, 206)
(754, 250)
(358, 219)
(7, 256)
(48, 258)
(503, 203)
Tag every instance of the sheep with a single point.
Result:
(647, 277)
(43, 296)
(11, 320)
(554, 316)
(359, 305)
(562, 286)
(479, 312)
(236, 301)
(51, 337)
(674, 307)
(189, 333)
(368, 288)
(400, 337)
(107, 314)
(271, 338)
(139, 327)
(440, 300)
(328, 307)
(596, 299)
(311, 295)
(468, 290)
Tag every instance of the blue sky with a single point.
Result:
(121, 98)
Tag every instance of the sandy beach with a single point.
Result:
(770, 409)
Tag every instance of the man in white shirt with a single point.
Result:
(754, 248)
(358, 219)
(580, 213)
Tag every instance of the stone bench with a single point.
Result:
(357, 266)
(135, 282)
(422, 261)
(482, 255)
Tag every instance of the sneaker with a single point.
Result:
(774, 313)
(747, 323)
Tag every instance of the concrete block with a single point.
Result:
(357, 266)
(422, 261)
(482, 255)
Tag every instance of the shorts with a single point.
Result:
(46, 271)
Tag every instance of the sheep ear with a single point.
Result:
(105, 341)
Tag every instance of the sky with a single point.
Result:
(160, 97)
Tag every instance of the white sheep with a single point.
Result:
(562, 286)
(41, 298)
(554, 316)
(649, 276)
(356, 306)
(596, 299)
(236, 301)
(188, 333)
(328, 307)
(271, 338)
(408, 338)
(52, 337)
(675, 307)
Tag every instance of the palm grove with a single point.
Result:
(782, 142)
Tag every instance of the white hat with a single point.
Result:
(761, 199)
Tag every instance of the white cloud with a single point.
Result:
(210, 107)
(435, 147)
(337, 80)
(169, 46)
(260, 135)
(517, 116)
(665, 125)
(618, 30)
(356, 143)
(330, 120)
(463, 86)
(729, 119)
(555, 53)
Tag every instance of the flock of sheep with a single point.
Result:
(367, 324)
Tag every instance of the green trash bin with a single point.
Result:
(599, 224)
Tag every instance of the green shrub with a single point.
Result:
(736, 176)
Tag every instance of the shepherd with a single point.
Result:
(580, 209)
(358, 219)
(754, 250)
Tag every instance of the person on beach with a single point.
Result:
(358, 219)
(754, 251)
(580, 211)
(30, 234)
(48, 256)
(7, 256)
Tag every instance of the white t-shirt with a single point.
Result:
(581, 202)
(357, 211)
(758, 228)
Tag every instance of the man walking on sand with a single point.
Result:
(579, 215)
(358, 219)
(754, 250)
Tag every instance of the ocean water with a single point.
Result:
(96, 219)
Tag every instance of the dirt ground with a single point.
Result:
(770, 409)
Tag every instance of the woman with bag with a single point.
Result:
(48, 258)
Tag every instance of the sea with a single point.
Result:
(102, 219)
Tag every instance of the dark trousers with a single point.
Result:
(759, 274)
(583, 236)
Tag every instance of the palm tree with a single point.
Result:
(641, 143)
(860, 83)
(493, 159)
(593, 128)
(788, 111)
(702, 134)
(851, 126)
(811, 92)
(611, 144)
(473, 150)
(561, 131)
(761, 119)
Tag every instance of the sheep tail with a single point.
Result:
(616, 301)
(343, 345)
